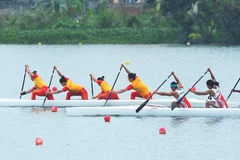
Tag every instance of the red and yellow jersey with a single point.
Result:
(38, 82)
(105, 87)
(139, 86)
(71, 86)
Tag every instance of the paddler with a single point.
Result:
(40, 88)
(177, 92)
(105, 87)
(137, 84)
(215, 98)
(72, 88)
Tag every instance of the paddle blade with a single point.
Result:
(141, 106)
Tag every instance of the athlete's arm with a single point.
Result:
(26, 92)
(120, 91)
(28, 70)
(212, 76)
(202, 93)
(177, 80)
(234, 90)
(55, 92)
(59, 73)
(125, 68)
(93, 78)
(165, 93)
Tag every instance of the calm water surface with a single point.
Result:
(75, 138)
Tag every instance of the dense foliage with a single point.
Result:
(165, 21)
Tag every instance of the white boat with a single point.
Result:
(6, 102)
(153, 111)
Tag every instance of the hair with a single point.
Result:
(174, 84)
(34, 72)
(211, 83)
(132, 76)
(62, 79)
(101, 78)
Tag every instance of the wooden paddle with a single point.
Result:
(233, 89)
(113, 86)
(92, 85)
(144, 103)
(24, 77)
(48, 86)
(180, 100)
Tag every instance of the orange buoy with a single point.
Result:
(107, 118)
(162, 130)
(54, 109)
(38, 141)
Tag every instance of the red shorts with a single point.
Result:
(136, 94)
(41, 92)
(104, 95)
(185, 103)
(83, 93)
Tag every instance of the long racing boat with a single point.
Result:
(153, 111)
(6, 102)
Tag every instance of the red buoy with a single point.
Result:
(194, 89)
(162, 130)
(54, 109)
(107, 118)
(38, 141)
(54, 88)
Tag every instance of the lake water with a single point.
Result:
(75, 138)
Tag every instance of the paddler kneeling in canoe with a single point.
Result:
(137, 84)
(68, 85)
(40, 88)
(105, 87)
(177, 92)
(215, 98)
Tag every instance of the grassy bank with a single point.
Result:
(94, 36)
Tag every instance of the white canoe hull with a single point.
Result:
(93, 103)
(153, 111)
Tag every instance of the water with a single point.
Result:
(124, 137)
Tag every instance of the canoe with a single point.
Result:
(6, 102)
(153, 111)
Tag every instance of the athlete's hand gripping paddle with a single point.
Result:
(233, 89)
(113, 86)
(48, 86)
(180, 100)
(144, 103)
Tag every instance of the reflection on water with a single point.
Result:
(176, 121)
(213, 121)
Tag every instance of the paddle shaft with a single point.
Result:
(92, 86)
(144, 103)
(113, 86)
(180, 100)
(233, 89)
(24, 77)
(48, 87)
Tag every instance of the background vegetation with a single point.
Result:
(165, 21)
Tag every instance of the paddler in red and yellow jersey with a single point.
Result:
(40, 88)
(105, 87)
(177, 92)
(72, 88)
(137, 84)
